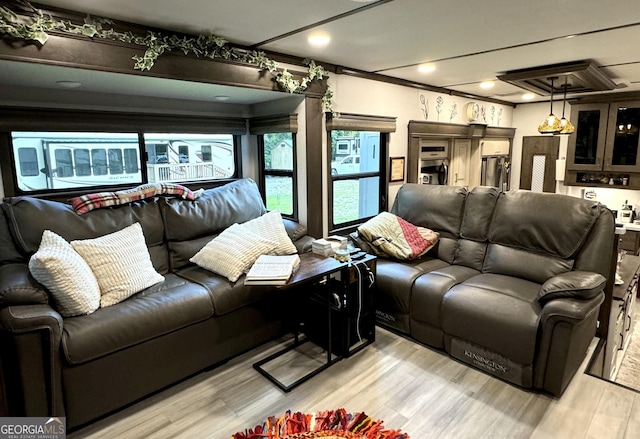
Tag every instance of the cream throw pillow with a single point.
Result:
(270, 226)
(57, 266)
(232, 252)
(120, 262)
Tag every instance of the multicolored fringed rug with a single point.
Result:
(333, 424)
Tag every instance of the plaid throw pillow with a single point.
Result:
(88, 202)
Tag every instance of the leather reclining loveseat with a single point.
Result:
(86, 366)
(513, 286)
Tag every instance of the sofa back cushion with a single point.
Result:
(439, 208)
(29, 217)
(552, 224)
(595, 254)
(478, 212)
(190, 225)
(524, 264)
(537, 235)
(9, 251)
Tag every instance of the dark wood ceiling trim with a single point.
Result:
(342, 70)
(578, 76)
(320, 23)
(101, 55)
(513, 46)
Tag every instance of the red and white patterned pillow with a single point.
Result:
(88, 202)
(393, 237)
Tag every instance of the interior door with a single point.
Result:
(539, 154)
(460, 158)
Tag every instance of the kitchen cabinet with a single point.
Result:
(630, 241)
(585, 150)
(494, 147)
(604, 147)
(621, 321)
(460, 160)
(621, 150)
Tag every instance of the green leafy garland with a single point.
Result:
(32, 24)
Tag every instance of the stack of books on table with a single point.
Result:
(272, 270)
(329, 246)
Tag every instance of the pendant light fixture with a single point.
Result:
(566, 127)
(551, 125)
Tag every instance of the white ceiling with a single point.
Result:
(468, 41)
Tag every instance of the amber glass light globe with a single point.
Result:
(566, 127)
(551, 125)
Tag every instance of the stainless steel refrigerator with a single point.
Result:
(495, 172)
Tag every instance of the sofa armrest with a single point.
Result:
(18, 287)
(304, 244)
(294, 229)
(567, 329)
(572, 284)
(357, 241)
(30, 356)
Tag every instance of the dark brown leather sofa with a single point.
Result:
(84, 367)
(514, 285)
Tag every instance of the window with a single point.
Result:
(174, 157)
(99, 161)
(28, 162)
(356, 176)
(277, 155)
(277, 161)
(130, 160)
(64, 164)
(115, 161)
(82, 161)
(357, 160)
(50, 161)
(65, 160)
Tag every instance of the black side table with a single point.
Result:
(337, 310)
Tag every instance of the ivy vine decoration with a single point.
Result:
(32, 24)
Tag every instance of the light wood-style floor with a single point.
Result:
(419, 390)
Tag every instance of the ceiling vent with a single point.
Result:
(582, 77)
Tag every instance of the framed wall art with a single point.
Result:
(396, 169)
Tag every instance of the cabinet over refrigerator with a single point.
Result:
(495, 165)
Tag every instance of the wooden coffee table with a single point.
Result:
(336, 310)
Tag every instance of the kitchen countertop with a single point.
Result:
(631, 227)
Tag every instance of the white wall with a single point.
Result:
(363, 96)
(526, 118)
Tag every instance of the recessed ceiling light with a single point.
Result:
(528, 96)
(426, 68)
(319, 39)
(222, 98)
(68, 84)
(487, 84)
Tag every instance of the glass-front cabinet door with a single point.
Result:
(623, 136)
(586, 147)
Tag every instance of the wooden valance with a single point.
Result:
(284, 123)
(360, 122)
